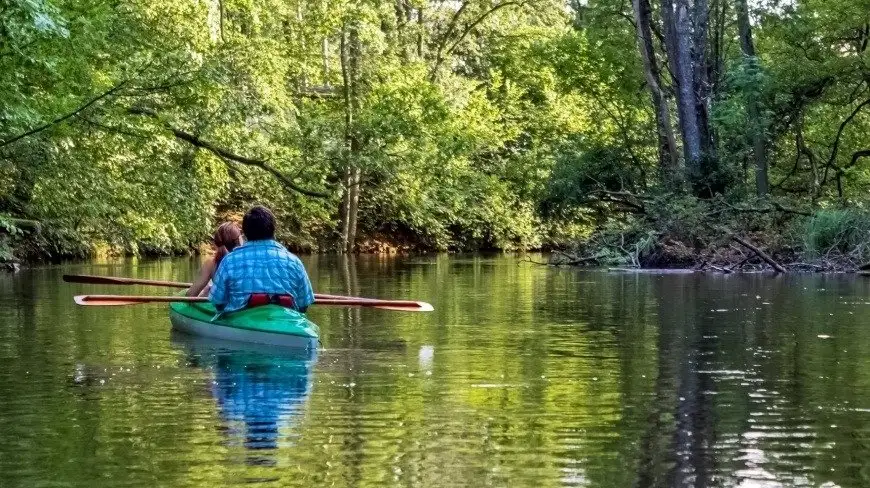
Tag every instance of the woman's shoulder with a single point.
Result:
(210, 263)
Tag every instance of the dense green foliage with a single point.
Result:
(135, 126)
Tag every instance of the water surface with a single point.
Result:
(523, 376)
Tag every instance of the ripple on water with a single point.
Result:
(523, 377)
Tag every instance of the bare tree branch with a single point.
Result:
(864, 153)
(467, 30)
(110, 129)
(439, 50)
(480, 19)
(836, 148)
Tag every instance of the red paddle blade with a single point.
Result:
(410, 307)
(400, 305)
(420, 307)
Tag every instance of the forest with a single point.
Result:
(633, 132)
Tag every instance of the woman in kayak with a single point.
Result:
(226, 238)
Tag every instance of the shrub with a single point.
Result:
(846, 231)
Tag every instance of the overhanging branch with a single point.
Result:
(441, 54)
(78, 110)
(634, 203)
(834, 151)
(477, 21)
(864, 153)
(227, 154)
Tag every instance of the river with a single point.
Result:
(524, 376)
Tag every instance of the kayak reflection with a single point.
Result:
(259, 390)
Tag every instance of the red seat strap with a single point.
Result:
(260, 299)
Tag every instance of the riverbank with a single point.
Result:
(29, 247)
(725, 238)
(661, 232)
(739, 254)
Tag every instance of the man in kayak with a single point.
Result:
(260, 271)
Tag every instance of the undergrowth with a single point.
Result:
(837, 231)
(685, 232)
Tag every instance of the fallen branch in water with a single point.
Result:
(763, 255)
(575, 260)
(739, 265)
(808, 265)
(529, 259)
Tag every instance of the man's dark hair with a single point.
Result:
(259, 224)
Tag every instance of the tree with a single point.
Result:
(668, 155)
(756, 125)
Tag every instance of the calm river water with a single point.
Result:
(524, 376)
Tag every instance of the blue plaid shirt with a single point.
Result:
(260, 267)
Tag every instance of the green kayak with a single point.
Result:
(267, 324)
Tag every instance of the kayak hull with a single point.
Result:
(269, 324)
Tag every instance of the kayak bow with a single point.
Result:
(267, 324)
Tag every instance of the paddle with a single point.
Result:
(111, 280)
(113, 300)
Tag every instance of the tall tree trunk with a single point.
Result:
(803, 149)
(348, 121)
(300, 38)
(353, 206)
(420, 29)
(685, 39)
(756, 125)
(349, 207)
(350, 54)
(718, 49)
(325, 53)
(668, 155)
(702, 70)
(682, 66)
(344, 216)
(221, 15)
(403, 17)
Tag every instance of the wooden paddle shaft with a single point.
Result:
(112, 280)
(142, 298)
(362, 302)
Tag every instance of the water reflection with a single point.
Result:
(260, 391)
(523, 376)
